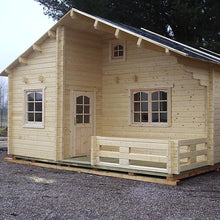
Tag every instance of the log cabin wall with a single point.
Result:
(216, 97)
(146, 68)
(40, 71)
(82, 73)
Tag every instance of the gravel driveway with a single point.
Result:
(28, 192)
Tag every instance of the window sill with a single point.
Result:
(33, 125)
(151, 124)
(117, 59)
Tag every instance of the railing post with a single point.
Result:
(178, 157)
(124, 156)
(93, 150)
(169, 157)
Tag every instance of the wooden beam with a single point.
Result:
(117, 32)
(167, 51)
(139, 41)
(72, 14)
(52, 34)
(96, 23)
(8, 71)
(22, 60)
(37, 48)
(94, 172)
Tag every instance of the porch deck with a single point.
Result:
(144, 156)
(149, 155)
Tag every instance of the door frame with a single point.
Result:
(72, 119)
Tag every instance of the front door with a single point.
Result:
(83, 115)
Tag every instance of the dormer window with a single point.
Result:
(117, 50)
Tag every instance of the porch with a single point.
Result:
(145, 156)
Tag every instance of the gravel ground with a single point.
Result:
(28, 192)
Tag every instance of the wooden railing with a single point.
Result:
(154, 155)
(192, 154)
(131, 153)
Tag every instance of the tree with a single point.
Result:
(3, 101)
(192, 22)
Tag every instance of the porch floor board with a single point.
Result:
(79, 160)
(86, 161)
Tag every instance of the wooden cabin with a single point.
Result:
(98, 94)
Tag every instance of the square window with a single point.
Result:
(30, 116)
(155, 106)
(136, 117)
(163, 106)
(144, 106)
(144, 117)
(155, 117)
(79, 119)
(31, 106)
(137, 106)
(86, 119)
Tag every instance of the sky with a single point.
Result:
(22, 23)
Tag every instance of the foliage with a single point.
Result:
(192, 22)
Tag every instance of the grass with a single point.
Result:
(3, 132)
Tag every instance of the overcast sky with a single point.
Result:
(22, 23)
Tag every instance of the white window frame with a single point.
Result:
(150, 123)
(112, 45)
(29, 124)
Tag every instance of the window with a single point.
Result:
(117, 50)
(34, 108)
(82, 110)
(150, 107)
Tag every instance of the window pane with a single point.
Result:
(155, 117)
(115, 53)
(155, 106)
(144, 117)
(86, 119)
(38, 96)
(136, 117)
(31, 97)
(79, 109)
(137, 96)
(30, 106)
(86, 109)
(79, 100)
(163, 106)
(120, 47)
(137, 106)
(38, 117)
(155, 96)
(79, 119)
(38, 106)
(144, 96)
(163, 96)
(163, 117)
(116, 48)
(144, 106)
(86, 100)
(120, 53)
(30, 116)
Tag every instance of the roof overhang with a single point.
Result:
(98, 24)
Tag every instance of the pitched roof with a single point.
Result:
(169, 43)
(149, 36)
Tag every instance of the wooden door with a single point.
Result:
(83, 123)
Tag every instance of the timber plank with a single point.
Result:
(96, 172)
